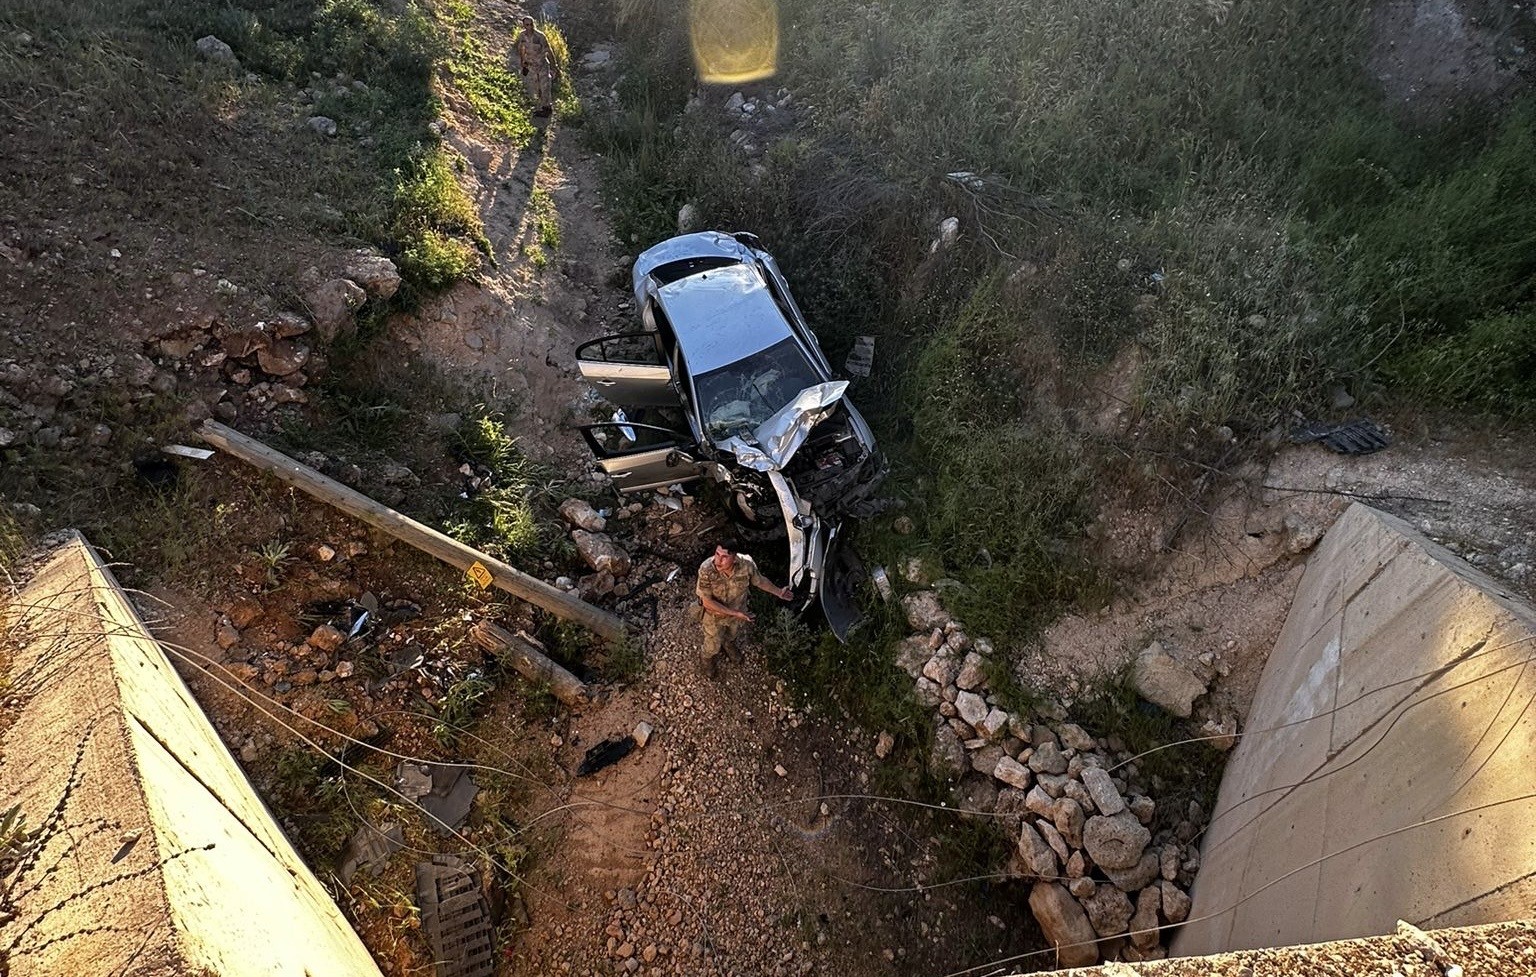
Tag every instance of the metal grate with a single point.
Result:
(454, 916)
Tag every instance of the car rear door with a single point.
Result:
(643, 456)
(628, 370)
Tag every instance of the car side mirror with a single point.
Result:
(675, 458)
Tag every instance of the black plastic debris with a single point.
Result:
(455, 917)
(370, 848)
(605, 754)
(1358, 437)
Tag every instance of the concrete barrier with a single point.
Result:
(156, 856)
(1383, 770)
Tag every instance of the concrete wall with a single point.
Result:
(1380, 769)
(165, 855)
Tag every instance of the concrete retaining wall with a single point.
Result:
(159, 858)
(1380, 772)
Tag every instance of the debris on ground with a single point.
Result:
(606, 754)
(1358, 437)
(455, 917)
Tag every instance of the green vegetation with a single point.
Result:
(1304, 232)
(509, 516)
(378, 70)
(1218, 194)
(312, 795)
(13, 540)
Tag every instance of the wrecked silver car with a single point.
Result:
(727, 382)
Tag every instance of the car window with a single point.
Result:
(624, 436)
(735, 399)
(674, 270)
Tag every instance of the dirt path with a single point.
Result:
(518, 324)
(733, 843)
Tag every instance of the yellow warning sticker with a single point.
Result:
(479, 574)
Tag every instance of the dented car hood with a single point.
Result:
(778, 438)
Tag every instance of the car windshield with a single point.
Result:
(735, 399)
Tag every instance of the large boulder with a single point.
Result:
(1116, 841)
(601, 553)
(924, 612)
(1163, 681)
(376, 274)
(332, 304)
(1065, 924)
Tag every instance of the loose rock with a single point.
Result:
(1047, 758)
(1138, 876)
(1144, 931)
(1106, 797)
(1116, 841)
(331, 305)
(1175, 902)
(1036, 854)
(377, 275)
(1012, 773)
(971, 707)
(215, 50)
(326, 638)
(1161, 680)
(1109, 910)
(1068, 817)
(924, 612)
(579, 513)
(601, 553)
(1065, 924)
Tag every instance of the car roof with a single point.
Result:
(722, 315)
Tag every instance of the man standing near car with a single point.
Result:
(725, 579)
(537, 62)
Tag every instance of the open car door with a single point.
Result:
(643, 456)
(628, 370)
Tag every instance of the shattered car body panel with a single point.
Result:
(727, 381)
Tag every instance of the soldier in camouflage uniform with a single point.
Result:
(724, 580)
(537, 62)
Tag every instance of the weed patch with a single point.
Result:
(13, 541)
(510, 515)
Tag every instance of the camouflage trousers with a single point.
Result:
(718, 630)
(540, 86)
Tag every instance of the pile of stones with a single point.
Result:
(1106, 880)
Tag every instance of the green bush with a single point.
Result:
(511, 513)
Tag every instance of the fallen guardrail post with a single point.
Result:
(489, 571)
